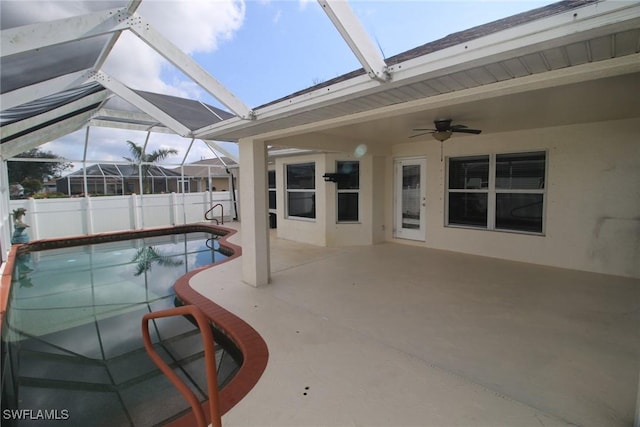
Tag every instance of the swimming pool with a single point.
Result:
(71, 341)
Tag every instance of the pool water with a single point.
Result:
(72, 340)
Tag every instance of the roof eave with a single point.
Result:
(555, 30)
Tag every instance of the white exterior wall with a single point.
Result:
(325, 230)
(301, 229)
(592, 203)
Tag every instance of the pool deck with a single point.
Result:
(397, 335)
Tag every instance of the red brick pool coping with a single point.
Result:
(253, 348)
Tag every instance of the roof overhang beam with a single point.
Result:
(354, 34)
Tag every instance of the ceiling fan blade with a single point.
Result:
(420, 134)
(418, 130)
(459, 127)
(464, 130)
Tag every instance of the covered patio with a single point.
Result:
(456, 317)
(391, 334)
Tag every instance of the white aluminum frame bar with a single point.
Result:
(46, 134)
(216, 147)
(14, 128)
(188, 66)
(133, 98)
(43, 89)
(354, 34)
(36, 36)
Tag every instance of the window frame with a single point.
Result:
(492, 193)
(272, 189)
(340, 191)
(300, 190)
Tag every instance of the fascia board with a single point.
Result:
(318, 98)
(44, 135)
(14, 128)
(43, 89)
(557, 30)
(133, 98)
(36, 36)
(188, 66)
(580, 73)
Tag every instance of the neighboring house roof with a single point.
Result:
(124, 170)
(216, 167)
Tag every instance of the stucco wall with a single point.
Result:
(302, 230)
(592, 218)
(325, 230)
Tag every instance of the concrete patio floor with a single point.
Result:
(397, 335)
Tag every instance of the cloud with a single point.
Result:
(304, 3)
(193, 26)
(277, 17)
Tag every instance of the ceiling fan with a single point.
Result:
(444, 129)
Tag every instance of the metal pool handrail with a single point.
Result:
(209, 357)
(210, 212)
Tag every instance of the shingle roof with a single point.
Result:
(455, 39)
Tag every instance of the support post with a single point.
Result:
(254, 213)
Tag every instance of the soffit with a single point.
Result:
(457, 79)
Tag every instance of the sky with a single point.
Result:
(260, 50)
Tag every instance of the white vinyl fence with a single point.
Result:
(52, 218)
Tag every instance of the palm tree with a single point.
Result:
(145, 160)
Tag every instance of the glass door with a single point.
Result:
(410, 198)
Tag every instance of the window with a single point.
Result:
(468, 190)
(348, 191)
(272, 190)
(520, 191)
(301, 190)
(497, 192)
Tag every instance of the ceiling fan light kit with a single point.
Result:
(442, 135)
(444, 129)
